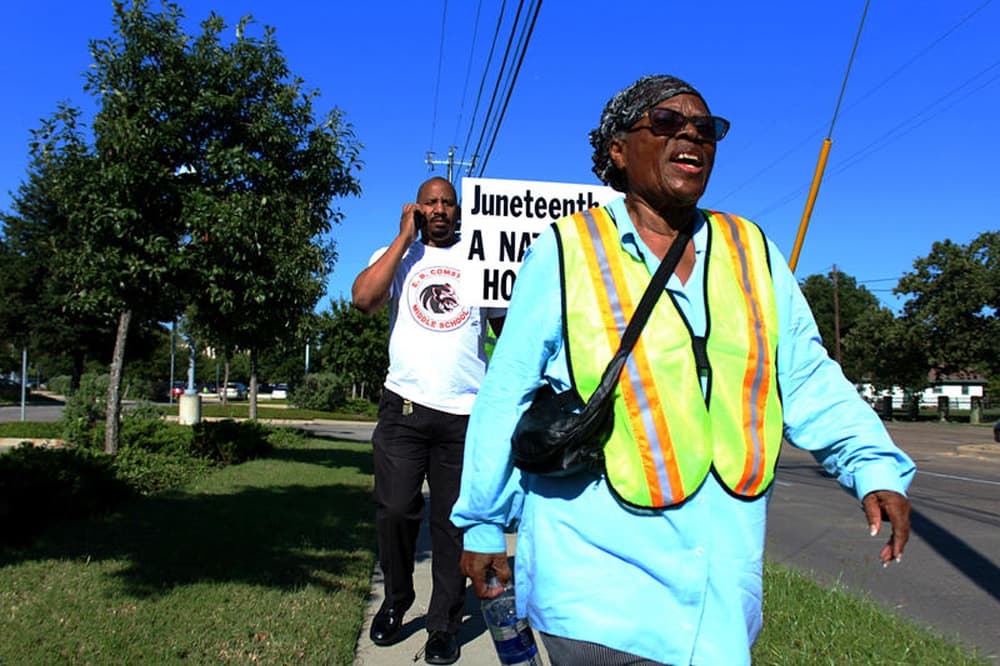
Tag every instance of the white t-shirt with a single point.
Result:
(437, 354)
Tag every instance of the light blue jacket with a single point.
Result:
(682, 586)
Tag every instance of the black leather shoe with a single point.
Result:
(441, 648)
(386, 625)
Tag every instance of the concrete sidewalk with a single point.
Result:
(473, 637)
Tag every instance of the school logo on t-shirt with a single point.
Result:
(432, 298)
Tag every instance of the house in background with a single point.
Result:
(959, 387)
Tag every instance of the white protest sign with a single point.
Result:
(500, 219)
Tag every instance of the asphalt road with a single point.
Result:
(47, 413)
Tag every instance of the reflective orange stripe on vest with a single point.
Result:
(639, 391)
(759, 404)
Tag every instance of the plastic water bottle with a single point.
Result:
(512, 637)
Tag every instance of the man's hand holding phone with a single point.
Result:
(411, 222)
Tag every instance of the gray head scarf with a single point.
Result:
(623, 111)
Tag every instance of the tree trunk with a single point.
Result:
(225, 379)
(114, 409)
(77, 372)
(252, 412)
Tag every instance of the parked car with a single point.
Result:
(178, 388)
(9, 390)
(234, 391)
(996, 431)
(279, 391)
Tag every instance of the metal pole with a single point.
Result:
(24, 380)
(173, 353)
(191, 357)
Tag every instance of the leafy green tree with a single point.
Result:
(121, 196)
(845, 304)
(954, 296)
(263, 175)
(354, 346)
(285, 362)
(37, 299)
(892, 349)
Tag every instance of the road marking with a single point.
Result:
(959, 478)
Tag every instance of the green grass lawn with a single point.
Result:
(808, 625)
(265, 562)
(270, 562)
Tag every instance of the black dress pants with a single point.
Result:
(411, 443)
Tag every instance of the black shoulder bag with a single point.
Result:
(559, 435)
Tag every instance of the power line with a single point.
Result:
(482, 82)
(526, 37)
(876, 88)
(885, 138)
(503, 87)
(947, 33)
(496, 88)
(468, 71)
(850, 61)
(919, 118)
(437, 84)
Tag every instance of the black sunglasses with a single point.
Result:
(667, 122)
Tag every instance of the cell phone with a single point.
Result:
(419, 220)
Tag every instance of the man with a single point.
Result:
(436, 363)
(658, 558)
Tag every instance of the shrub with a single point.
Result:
(60, 384)
(154, 455)
(149, 471)
(86, 408)
(39, 486)
(137, 388)
(361, 406)
(154, 435)
(287, 438)
(230, 441)
(321, 391)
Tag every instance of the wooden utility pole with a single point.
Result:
(836, 316)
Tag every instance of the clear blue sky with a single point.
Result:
(914, 150)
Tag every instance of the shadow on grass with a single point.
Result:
(361, 461)
(337, 436)
(282, 537)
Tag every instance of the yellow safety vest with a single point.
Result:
(668, 433)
